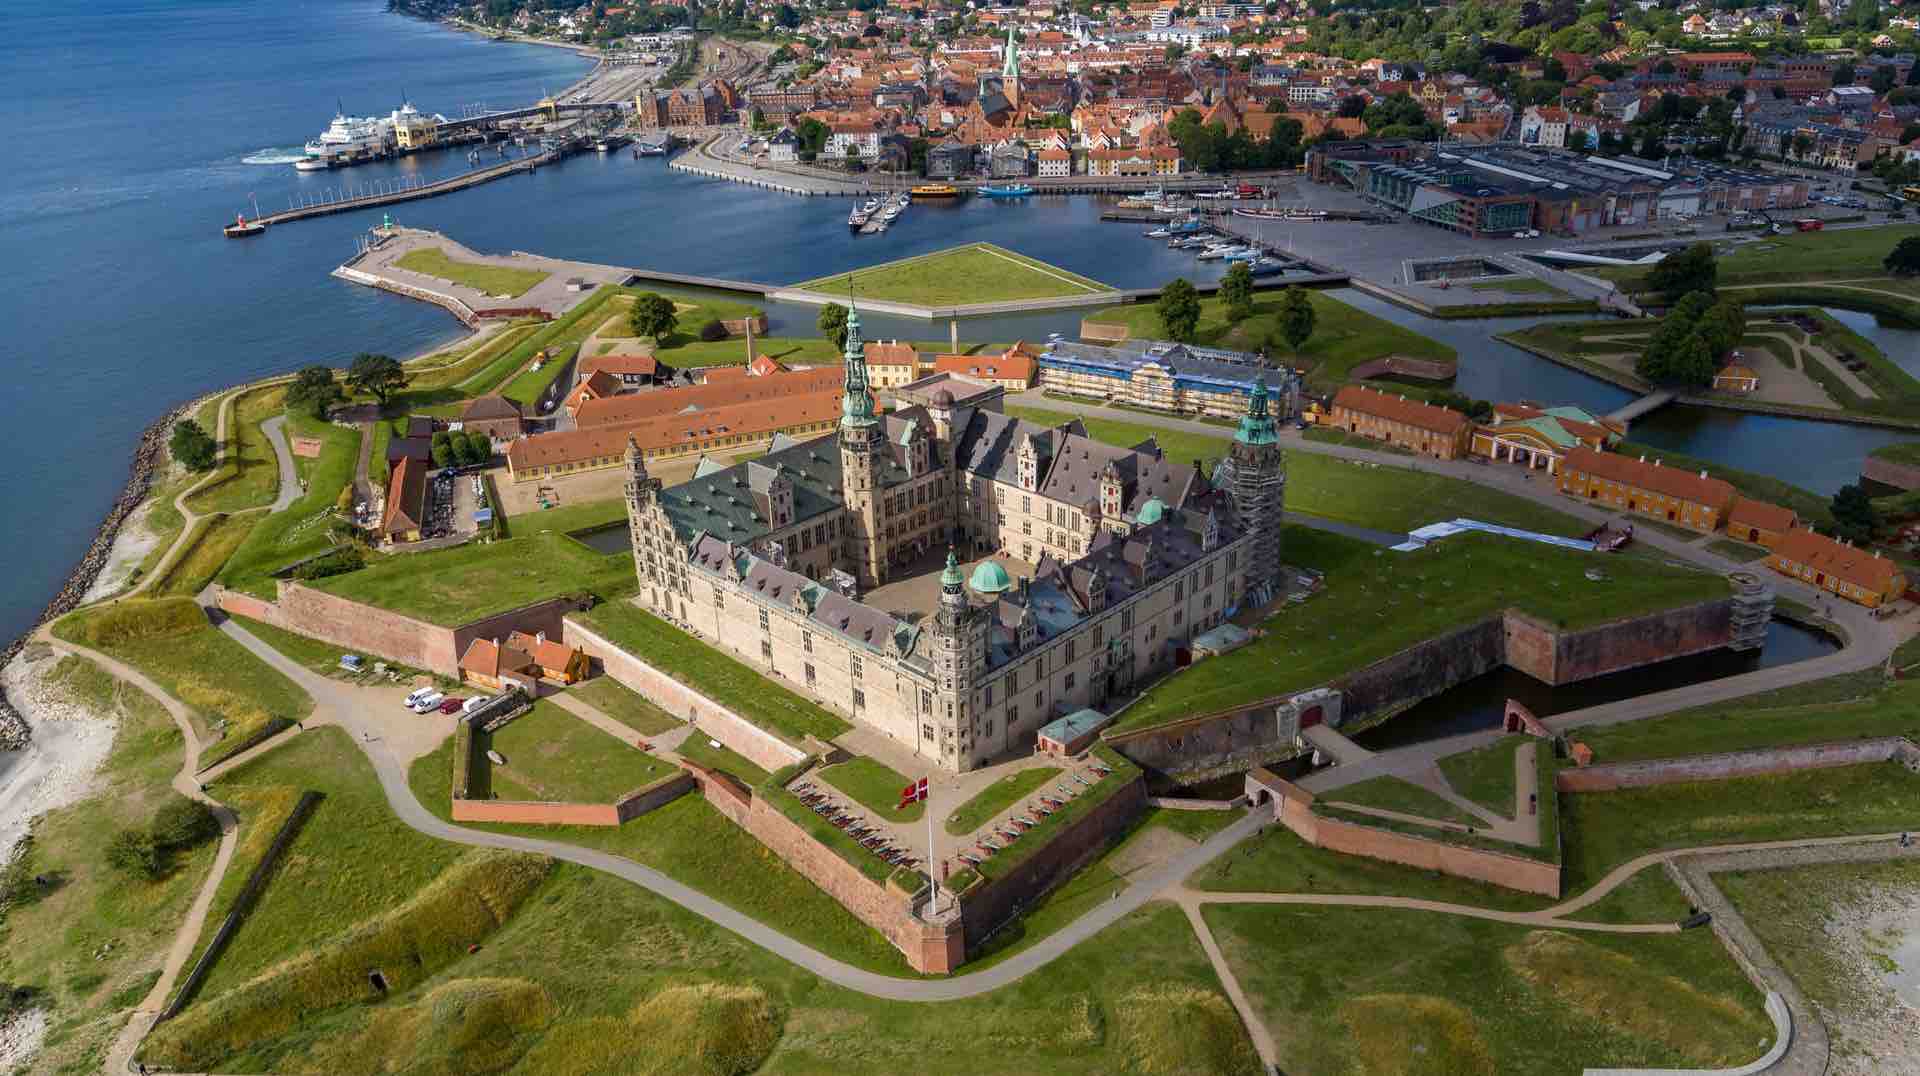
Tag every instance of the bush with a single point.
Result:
(713, 331)
(479, 446)
(132, 851)
(181, 823)
(345, 559)
(192, 446)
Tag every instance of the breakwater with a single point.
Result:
(147, 456)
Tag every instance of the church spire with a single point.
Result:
(1011, 69)
(1256, 426)
(856, 404)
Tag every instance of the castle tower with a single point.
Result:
(959, 656)
(1010, 72)
(862, 455)
(650, 562)
(1254, 476)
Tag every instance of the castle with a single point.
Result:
(1121, 557)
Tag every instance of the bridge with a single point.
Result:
(550, 108)
(1651, 402)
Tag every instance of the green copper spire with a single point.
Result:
(1011, 69)
(951, 578)
(856, 405)
(1256, 426)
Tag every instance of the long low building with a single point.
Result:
(1176, 378)
(1838, 568)
(1698, 502)
(662, 437)
(628, 408)
(1428, 429)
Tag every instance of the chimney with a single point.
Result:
(953, 335)
(749, 340)
(1643, 457)
(1703, 472)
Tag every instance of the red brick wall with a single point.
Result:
(986, 906)
(1608, 777)
(1563, 657)
(757, 745)
(388, 634)
(1294, 810)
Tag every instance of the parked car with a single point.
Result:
(473, 704)
(419, 693)
(451, 705)
(428, 702)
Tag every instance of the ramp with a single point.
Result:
(1335, 746)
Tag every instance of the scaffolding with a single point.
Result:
(1752, 609)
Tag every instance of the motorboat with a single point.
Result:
(1243, 254)
(1012, 190)
(1218, 250)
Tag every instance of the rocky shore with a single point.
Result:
(148, 457)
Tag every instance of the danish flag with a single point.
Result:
(913, 793)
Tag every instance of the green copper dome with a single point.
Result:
(1152, 511)
(1257, 426)
(990, 578)
(951, 577)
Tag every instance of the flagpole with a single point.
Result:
(932, 878)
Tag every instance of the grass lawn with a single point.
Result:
(996, 797)
(249, 473)
(1485, 775)
(1381, 496)
(625, 705)
(564, 759)
(1049, 826)
(1343, 336)
(714, 674)
(1348, 990)
(323, 657)
(1843, 252)
(301, 529)
(163, 521)
(1736, 551)
(875, 786)
(700, 749)
(560, 338)
(1793, 909)
(1524, 285)
(1648, 897)
(93, 942)
(262, 810)
(1329, 435)
(973, 273)
(492, 279)
(1601, 830)
(353, 859)
(228, 689)
(1393, 794)
(568, 518)
(1376, 604)
(213, 541)
(693, 843)
(447, 368)
(1841, 708)
(459, 585)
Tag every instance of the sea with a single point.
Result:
(145, 125)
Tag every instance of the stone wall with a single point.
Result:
(743, 737)
(1102, 332)
(387, 634)
(1608, 777)
(1293, 807)
(984, 908)
(1888, 473)
(740, 326)
(1556, 657)
(1424, 669)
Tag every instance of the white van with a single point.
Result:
(413, 700)
(429, 702)
(474, 704)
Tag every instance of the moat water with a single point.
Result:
(146, 124)
(1481, 702)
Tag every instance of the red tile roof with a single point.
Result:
(623, 410)
(623, 365)
(753, 420)
(406, 497)
(1748, 512)
(1850, 564)
(1396, 408)
(1677, 482)
(1011, 366)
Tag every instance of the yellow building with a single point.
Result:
(1838, 568)
(1675, 495)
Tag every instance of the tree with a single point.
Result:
(315, 390)
(442, 449)
(1236, 291)
(1179, 310)
(1685, 271)
(379, 376)
(1843, 75)
(481, 446)
(1352, 107)
(653, 315)
(183, 823)
(461, 450)
(1651, 148)
(1296, 318)
(1854, 517)
(1904, 259)
(832, 324)
(191, 446)
(132, 851)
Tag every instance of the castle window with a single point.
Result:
(719, 600)
(926, 732)
(859, 699)
(764, 626)
(1070, 648)
(809, 674)
(806, 641)
(926, 700)
(766, 650)
(1069, 681)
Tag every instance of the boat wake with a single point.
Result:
(273, 156)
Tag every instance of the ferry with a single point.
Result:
(929, 191)
(1014, 190)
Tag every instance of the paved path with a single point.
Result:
(363, 466)
(276, 430)
(222, 417)
(120, 1053)
(1368, 535)
(581, 709)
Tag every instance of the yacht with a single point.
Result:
(1217, 250)
(1242, 254)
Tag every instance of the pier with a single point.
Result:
(413, 193)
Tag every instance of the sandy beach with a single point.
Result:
(57, 767)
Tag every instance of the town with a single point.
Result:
(1230, 563)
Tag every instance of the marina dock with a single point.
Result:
(408, 194)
